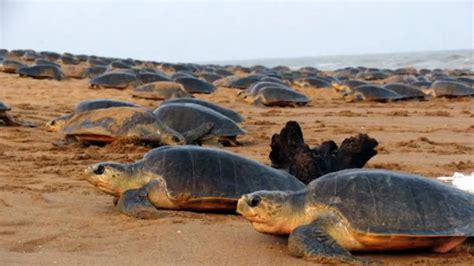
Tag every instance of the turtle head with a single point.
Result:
(168, 136)
(273, 212)
(57, 124)
(114, 178)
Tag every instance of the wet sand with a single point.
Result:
(50, 214)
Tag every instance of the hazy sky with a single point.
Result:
(211, 30)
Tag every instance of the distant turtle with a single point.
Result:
(186, 178)
(75, 71)
(51, 56)
(245, 81)
(41, 61)
(407, 91)
(94, 71)
(58, 123)
(68, 59)
(363, 210)
(372, 75)
(347, 85)
(371, 93)
(41, 72)
(115, 80)
(182, 74)
(149, 77)
(227, 112)
(450, 89)
(183, 117)
(225, 81)
(160, 90)
(209, 76)
(194, 85)
(278, 96)
(7, 120)
(314, 82)
(102, 126)
(257, 86)
(11, 66)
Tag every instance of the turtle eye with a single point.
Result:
(176, 139)
(255, 201)
(53, 123)
(99, 170)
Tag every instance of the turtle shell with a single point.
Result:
(41, 71)
(195, 172)
(451, 89)
(280, 96)
(194, 85)
(4, 107)
(106, 125)
(407, 91)
(386, 202)
(89, 105)
(227, 112)
(119, 80)
(376, 93)
(11, 66)
(245, 81)
(257, 86)
(160, 90)
(184, 117)
(149, 77)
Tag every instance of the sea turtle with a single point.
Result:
(257, 86)
(227, 112)
(75, 71)
(149, 77)
(116, 80)
(51, 56)
(347, 85)
(58, 123)
(11, 66)
(102, 126)
(371, 93)
(183, 117)
(449, 89)
(364, 210)
(209, 76)
(41, 72)
(6, 119)
(94, 71)
(160, 90)
(244, 82)
(194, 85)
(407, 91)
(69, 59)
(277, 96)
(186, 178)
(41, 61)
(313, 82)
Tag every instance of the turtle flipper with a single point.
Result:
(313, 242)
(135, 203)
(195, 135)
(10, 121)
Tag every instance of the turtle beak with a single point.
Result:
(242, 206)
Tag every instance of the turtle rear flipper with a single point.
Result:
(135, 203)
(196, 135)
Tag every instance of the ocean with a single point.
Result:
(455, 59)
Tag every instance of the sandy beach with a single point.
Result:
(50, 215)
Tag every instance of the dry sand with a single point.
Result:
(50, 214)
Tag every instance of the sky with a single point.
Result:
(203, 31)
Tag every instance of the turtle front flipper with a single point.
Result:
(313, 242)
(195, 135)
(135, 203)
